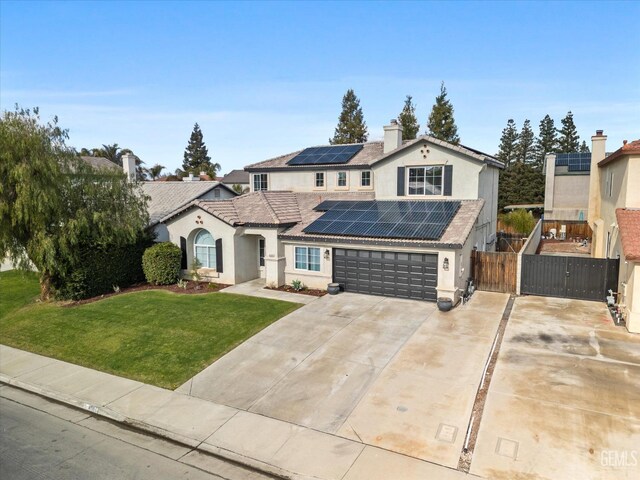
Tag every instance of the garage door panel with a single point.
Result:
(396, 274)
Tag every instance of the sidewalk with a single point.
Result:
(267, 444)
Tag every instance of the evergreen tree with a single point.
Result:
(569, 138)
(508, 152)
(526, 150)
(196, 155)
(584, 148)
(547, 141)
(519, 184)
(408, 120)
(351, 125)
(441, 123)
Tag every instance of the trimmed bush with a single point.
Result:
(102, 269)
(161, 263)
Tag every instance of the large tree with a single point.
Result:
(569, 140)
(351, 125)
(408, 120)
(547, 141)
(520, 183)
(584, 148)
(526, 149)
(52, 204)
(441, 123)
(196, 155)
(155, 171)
(508, 150)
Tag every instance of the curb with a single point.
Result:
(140, 425)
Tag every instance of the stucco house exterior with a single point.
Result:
(411, 213)
(566, 192)
(614, 216)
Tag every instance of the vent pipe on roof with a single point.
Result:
(392, 136)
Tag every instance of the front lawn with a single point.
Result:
(155, 336)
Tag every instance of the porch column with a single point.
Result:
(274, 259)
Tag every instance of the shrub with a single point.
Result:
(297, 285)
(161, 263)
(520, 220)
(99, 269)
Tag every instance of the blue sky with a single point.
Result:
(263, 79)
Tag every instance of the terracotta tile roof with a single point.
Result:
(628, 148)
(629, 225)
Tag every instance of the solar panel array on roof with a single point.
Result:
(331, 155)
(421, 220)
(577, 162)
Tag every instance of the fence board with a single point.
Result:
(494, 271)
(575, 228)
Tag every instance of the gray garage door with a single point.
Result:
(392, 274)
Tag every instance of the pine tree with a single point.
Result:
(547, 141)
(526, 150)
(508, 152)
(584, 148)
(408, 120)
(569, 138)
(520, 184)
(196, 155)
(351, 125)
(441, 123)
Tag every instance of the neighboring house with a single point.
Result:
(167, 197)
(566, 192)
(237, 177)
(388, 218)
(101, 162)
(614, 216)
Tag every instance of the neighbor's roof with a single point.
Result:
(167, 197)
(236, 177)
(630, 148)
(101, 162)
(371, 153)
(629, 225)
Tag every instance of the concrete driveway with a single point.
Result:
(392, 373)
(564, 400)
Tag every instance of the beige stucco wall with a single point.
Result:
(630, 286)
(304, 181)
(570, 198)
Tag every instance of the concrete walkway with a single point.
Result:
(256, 288)
(273, 446)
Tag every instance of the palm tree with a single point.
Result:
(113, 153)
(155, 171)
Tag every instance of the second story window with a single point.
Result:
(342, 179)
(425, 180)
(259, 182)
(319, 179)
(365, 179)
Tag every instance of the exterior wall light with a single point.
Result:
(327, 254)
(445, 264)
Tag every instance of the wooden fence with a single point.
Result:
(494, 271)
(509, 243)
(575, 228)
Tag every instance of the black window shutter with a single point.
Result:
(219, 255)
(401, 181)
(448, 177)
(183, 248)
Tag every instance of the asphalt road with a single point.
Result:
(44, 440)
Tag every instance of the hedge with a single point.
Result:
(161, 263)
(102, 269)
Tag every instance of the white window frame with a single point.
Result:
(260, 176)
(210, 249)
(315, 180)
(346, 180)
(362, 185)
(306, 254)
(425, 169)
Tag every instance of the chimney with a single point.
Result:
(392, 136)
(129, 166)
(190, 178)
(598, 148)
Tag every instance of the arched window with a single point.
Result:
(205, 249)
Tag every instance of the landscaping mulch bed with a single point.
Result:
(307, 291)
(192, 287)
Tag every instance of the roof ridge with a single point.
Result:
(270, 209)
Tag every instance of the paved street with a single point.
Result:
(63, 443)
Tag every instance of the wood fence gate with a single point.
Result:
(494, 271)
(582, 278)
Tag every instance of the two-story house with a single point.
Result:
(388, 218)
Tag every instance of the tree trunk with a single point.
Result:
(45, 286)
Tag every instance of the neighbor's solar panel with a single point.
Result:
(577, 162)
(422, 220)
(331, 155)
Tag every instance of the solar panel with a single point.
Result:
(330, 155)
(576, 162)
(424, 220)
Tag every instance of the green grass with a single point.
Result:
(156, 337)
